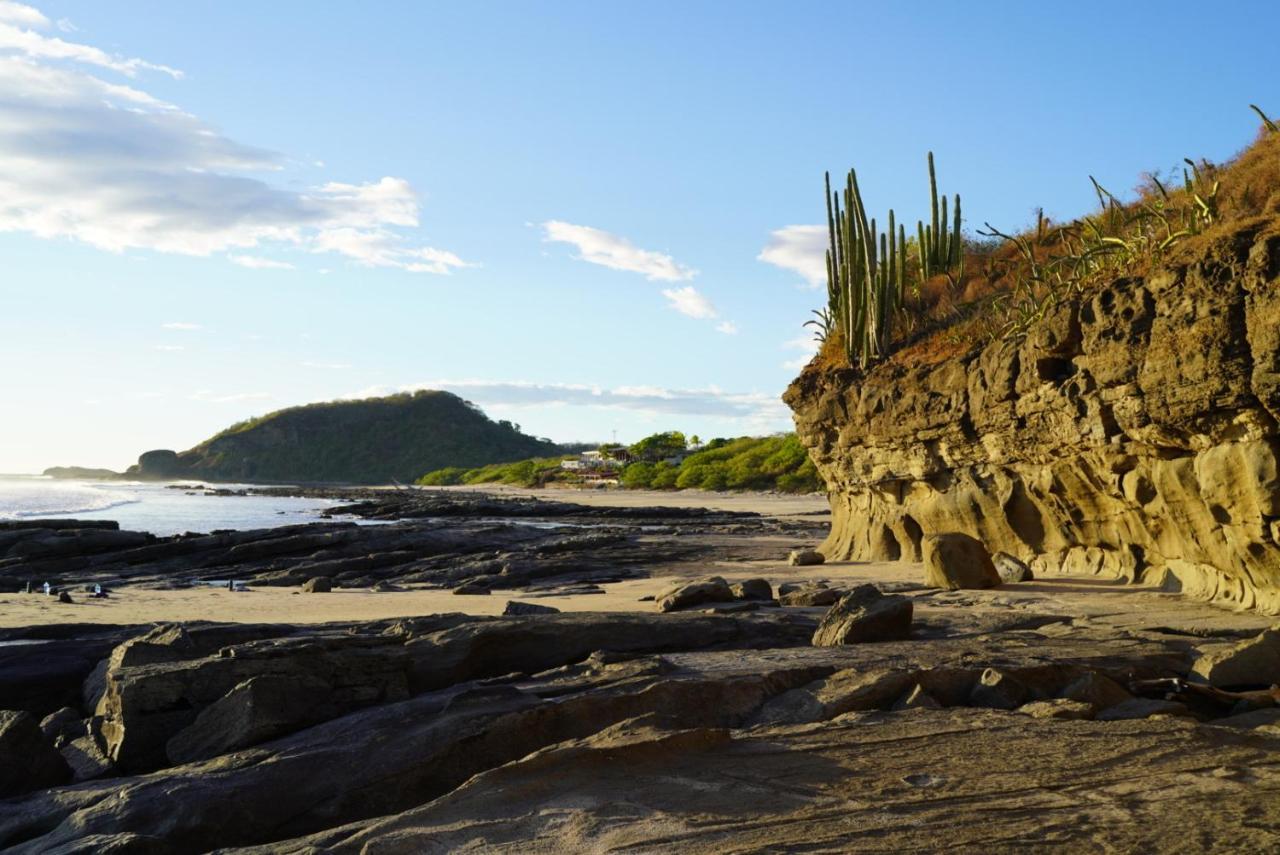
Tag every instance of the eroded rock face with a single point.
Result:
(1131, 434)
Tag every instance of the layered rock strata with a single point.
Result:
(1132, 433)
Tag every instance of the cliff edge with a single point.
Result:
(1131, 433)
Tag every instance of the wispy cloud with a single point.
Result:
(801, 249)
(597, 246)
(689, 301)
(257, 262)
(180, 325)
(757, 410)
(89, 158)
(727, 327)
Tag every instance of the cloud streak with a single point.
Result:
(757, 409)
(597, 246)
(800, 249)
(106, 163)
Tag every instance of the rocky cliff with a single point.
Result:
(1132, 433)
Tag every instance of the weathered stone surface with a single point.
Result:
(953, 561)
(517, 608)
(63, 724)
(865, 615)
(86, 760)
(805, 558)
(320, 585)
(1059, 708)
(1131, 434)
(804, 788)
(713, 589)
(28, 761)
(1142, 708)
(752, 589)
(254, 711)
(1253, 662)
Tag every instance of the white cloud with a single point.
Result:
(616, 252)
(106, 163)
(180, 325)
(18, 25)
(807, 345)
(802, 249)
(22, 14)
(689, 301)
(170, 348)
(727, 327)
(257, 262)
(209, 397)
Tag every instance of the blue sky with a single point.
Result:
(574, 214)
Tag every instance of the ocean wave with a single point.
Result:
(24, 498)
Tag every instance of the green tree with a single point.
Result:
(660, 446)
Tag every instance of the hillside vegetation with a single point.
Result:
(370, 441)
(664, 462)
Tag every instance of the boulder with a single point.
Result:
(27, 760)
(752, 589)
(805, 558)
(256, 710)
(472, 589)
(1253, 662)
(518, 608)
(812, 596)
(998, 690)
(1097, 690)
(63, 724)
(712, 589)
(85, 758)
(317, 585)
(1059, 708)
(863, 615)
(954, 561)
(1011, 569)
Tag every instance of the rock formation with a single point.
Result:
(1132, 433)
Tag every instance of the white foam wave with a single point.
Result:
(30, 498)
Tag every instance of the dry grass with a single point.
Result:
(949, 318)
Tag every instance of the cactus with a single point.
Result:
(941, 245)
(868, 274)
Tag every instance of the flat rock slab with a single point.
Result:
(873, 783)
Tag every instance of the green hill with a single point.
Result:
(371, 441)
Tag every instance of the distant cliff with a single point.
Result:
(370, 441)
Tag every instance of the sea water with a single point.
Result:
(162, 509)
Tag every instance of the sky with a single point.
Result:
(593, 219)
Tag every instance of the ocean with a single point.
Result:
(150, 506)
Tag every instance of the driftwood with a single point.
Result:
(1172, 688)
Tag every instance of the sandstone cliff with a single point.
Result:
(1133, 433)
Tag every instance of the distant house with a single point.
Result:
(596, 465)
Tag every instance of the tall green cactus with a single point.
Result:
(868, 272)
(941, 248)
